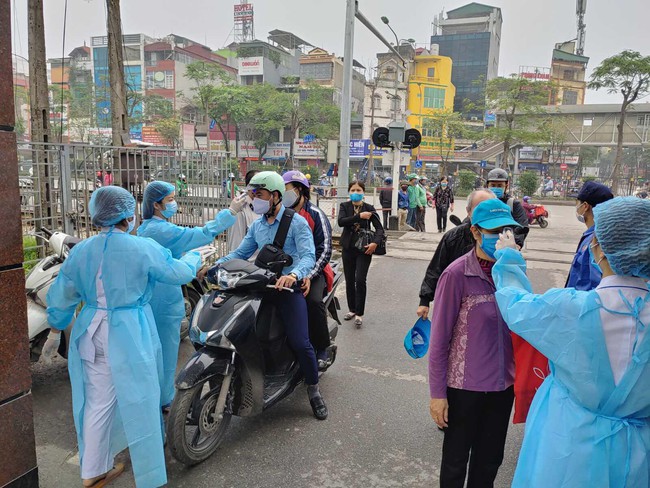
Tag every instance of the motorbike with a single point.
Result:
(242, 365)
(538, 215)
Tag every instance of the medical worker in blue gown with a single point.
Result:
(158, 206)
(115, 354)
(589, 424)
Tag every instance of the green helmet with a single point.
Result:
(268, 180)
(413, 177)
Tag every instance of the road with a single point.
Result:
(378, 434)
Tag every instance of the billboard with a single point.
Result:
(251, 66)
(278, 150)
(152, 136)
(307, 150)
(187, 136)
(243, 12)
(535, 73)
(247, 149)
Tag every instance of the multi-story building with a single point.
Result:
(430, 91)
(471, 37)
(20, 68)
(568, 75)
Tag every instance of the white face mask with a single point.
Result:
(260, 206)
(579, 216)
(290, 198)
(131, 225)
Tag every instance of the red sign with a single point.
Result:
(564, 166)
(151, 135)
(243, 12)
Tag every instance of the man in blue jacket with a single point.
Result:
(583, 276)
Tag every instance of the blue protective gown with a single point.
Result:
(583, 429)
(167, 300)
(131, 266)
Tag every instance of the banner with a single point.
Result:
(247, 149)
(278, 150)
(152, 136)
(187, 136)
(251, 66)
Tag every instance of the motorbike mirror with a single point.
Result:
(455, 220)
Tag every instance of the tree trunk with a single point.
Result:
(616, 170)
(506, 154)
(119, 117)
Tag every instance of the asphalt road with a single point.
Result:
(379, 432)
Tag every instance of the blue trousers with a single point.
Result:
(293, 311)
(411, 217)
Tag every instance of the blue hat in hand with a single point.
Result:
(416, 341)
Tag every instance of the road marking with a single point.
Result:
(391, 374)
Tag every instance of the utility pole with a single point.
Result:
(39, 112)
(371, 159)
(346, 100)
(119, 119)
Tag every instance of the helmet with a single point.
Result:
(497, 174)
(526, 199)
(295, 177)
(268, 180)
(412, 176)
(388, 181)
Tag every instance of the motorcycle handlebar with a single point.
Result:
(46, 231)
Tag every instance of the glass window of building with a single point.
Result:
(570, 97)
(569, 74)
(431, 72)
(434, 98)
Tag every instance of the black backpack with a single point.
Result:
(271, 256)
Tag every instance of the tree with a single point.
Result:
(627, 73)
(444, 127)
(169, 129)
(516, 100)
(264, 116)
(554, 132)
(528, 182)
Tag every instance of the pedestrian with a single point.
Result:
(114, 353)
(498, 183)
(167, 303)
(181, 185)
(417, 203)
(589, 424)
(403, 205)
(582, 275)
(108, 178)
(356, 218)
(443, 197)
(471, 364)
(269, 189)
(320, 280)
(245, 218)
(386, 200)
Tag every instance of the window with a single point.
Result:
(431, 73)
(169, 80)
(131, 53)
(428, 131)
(317, 71)
(377, 102)
(569, 74)
(160, 79)
(434, 98)
(643, 121)
(569, 97)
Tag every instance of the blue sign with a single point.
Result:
(484, 163)
(418, 164)
(309, 138)
(359, 148)
(213, 124)
(490, 118)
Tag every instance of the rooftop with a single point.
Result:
(473, 9)
(565, 56)
(287, 40)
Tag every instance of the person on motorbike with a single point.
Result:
(498, 183)
(320, 279)
(582, 275)
(528, 207)
(114, 356)
(268, 187)
(181, 185)
(158, 206)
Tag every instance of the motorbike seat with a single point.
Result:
(71, 241)
(269, 326)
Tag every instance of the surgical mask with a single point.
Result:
(260, 206)
(290, 199)
(580, 217)
(444, 185)
(356, 197)
(170, 210)
(131, 225)
(498, 191)
(489, 244)
(405, 188)
(592, 258)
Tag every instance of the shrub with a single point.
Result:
(528, 182)
(466, 181)
(30, 253)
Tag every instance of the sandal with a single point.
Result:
(358, 322)
(349, 316)
(117, 470)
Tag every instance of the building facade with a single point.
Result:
(430, 92)
(471, 37)
(568, 75)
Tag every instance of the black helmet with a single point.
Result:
(497, 174)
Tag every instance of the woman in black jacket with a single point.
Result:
(353, 216)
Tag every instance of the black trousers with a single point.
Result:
(478, 425)
(355, 269)
(441, 216)
(319, 334)
(387, 214)
(420, 214)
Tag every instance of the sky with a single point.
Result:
(530, 27)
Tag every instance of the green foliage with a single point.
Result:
(627, 73)
(588, 178)
(529, 182)
(445, 127)
(169, 129)
(466, 180)
(30, 253)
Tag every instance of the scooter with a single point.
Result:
(242, 364)
(37, 284)
(538, 215)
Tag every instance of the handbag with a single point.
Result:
(364, 236)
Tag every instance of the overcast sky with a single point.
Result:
(530, 27)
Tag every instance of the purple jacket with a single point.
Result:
(471, 347)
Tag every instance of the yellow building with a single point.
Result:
(430, 91)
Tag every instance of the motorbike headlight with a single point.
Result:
(227, 280)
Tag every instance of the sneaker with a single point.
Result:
(349, 316)
(358, 322)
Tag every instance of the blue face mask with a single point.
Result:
(592, 259)
(131, 225)
(489, 244)
(170, 210)
(498, 192)
(356, 197)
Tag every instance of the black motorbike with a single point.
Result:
(242, 364)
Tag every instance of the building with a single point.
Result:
(430, 91)
(568, 74)
(20, 68)
(471, 37)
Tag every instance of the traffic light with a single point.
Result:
(387, 136)
(380, 137)
(412, 139)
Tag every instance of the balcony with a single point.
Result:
(424, 79)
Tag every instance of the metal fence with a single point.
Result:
(57, 181)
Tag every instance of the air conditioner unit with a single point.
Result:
(474, 119)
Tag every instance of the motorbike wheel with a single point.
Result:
(543, 223)
(193, 432)
(190, 298)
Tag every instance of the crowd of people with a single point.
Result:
(587, 415)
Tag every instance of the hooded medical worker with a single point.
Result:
(589, 424)
(158, 206)
(115, 358)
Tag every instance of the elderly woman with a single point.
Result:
(589, 424)
(115, 354)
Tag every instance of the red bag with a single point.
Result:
(531, 368)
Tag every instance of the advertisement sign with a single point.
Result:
(490, 118)
(243, 12)
(187, 136)
(247, 149)
(217, 145)
(278, 150)
(535, 73)
(152, 136)
(531, 153)
(571, 160)
(307, 150)
(359, 148)
(251, 66)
